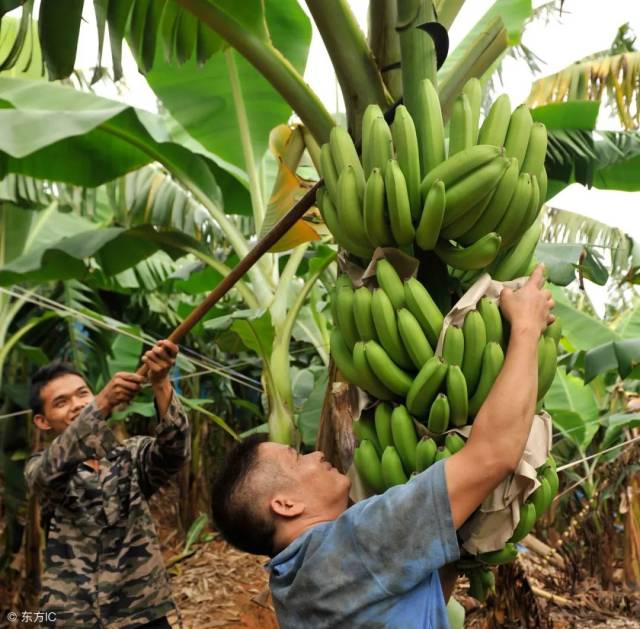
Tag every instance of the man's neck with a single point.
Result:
(287, 532)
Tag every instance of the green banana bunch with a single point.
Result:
(350, 204)
(518, 133)
(385, 321)
(439, 414)
(454, 442)
(342, 356)
(442, 453)
(371, 113)
(413, 338)
(344, 316)
(516, 211)
(554, 330)
(380, 145)
(367, 462)
(475, 339)
(405, 438)
(425, 454)
(517, 260)
(499, 557)
(363, 429)
(492, 361)
(425, 386)
(363, 318)
(392, 470)
(541, 498)
(344, 154)
(408, 155)
(457, 396)
(465, 222)
(547, 361)
(424, 309)
(494, 128)
(473, 91)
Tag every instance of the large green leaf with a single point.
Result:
(560, 260)
(576, 114)
(59, 30)
(583, 331)
(621, 356)
(629, 325)
(200, 98)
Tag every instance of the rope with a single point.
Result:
(592, 456)
(14, 414)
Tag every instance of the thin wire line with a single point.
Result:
(14, 414)
(592, 456)
(56, 307)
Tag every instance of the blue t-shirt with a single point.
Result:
(374, 566)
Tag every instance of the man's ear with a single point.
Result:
(40, 421)
(285, 506)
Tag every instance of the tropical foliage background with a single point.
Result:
(116, 222)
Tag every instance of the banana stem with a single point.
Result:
(447, 11)
(385, 43)
(270, 62)
(417, 50)
(360, 81)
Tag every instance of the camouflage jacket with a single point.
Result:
(103, 566)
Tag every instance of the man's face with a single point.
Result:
(62, 400)
(314, 480)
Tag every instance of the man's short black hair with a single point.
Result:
(233, 501)
(42, 377)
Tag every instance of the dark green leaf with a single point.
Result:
(9, 5)
(256, 334)
(575, 114)
(309, 417)
(101, 8)
(59, 29)
(117, 17)
(186, 36)
(574, 427)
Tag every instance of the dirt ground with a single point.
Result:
(219, 587)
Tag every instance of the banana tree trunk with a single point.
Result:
(385, 43)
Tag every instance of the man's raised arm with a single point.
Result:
(502, 426)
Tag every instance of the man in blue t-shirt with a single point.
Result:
(376, 563)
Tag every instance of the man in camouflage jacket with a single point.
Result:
(103, 565)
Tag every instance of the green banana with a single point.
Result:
(367, 379)
(370, 114)
(425, 454)
(533, 162)
(454, 442)
(428, 229)
(439, 414)
(344, 311)
(424, 309)
(394, 378)
(363, 428)
(473, 91)
(343, 153)
(476, 587)
(494, 128)
(520, 254)
(457, 395)
(362, 314)
(541, 497)
(382, 420)
(466, 221)
(554, 330)
(453, 346)
(492, 320)
(425, 385)
(497, 205)
(463, 195)
(533, 208)
(492, 361)
(404, 438)
(552, 479)
(543, 183)
(546, 364)
(368, 464)
(413, 338)
(458, 167)
(398, 204)
(527, 521)
(475, 339)
(389, 281)
(333, 224)
(460, 126)
(376, 224)
(349, 205)
(476, 256)
(408, 155)
(499, 557)
(392, 470)
(429, 127)
(515, 144)
(342, 355)
(328, 172)
(516, 210)
(384, 319)
(442, 453)
(380, 145)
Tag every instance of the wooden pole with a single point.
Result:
(260, 248)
